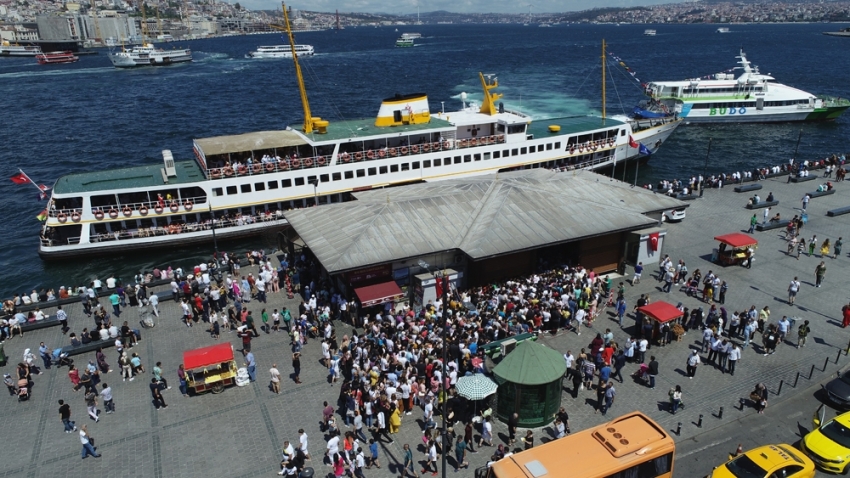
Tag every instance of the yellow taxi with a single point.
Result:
(828, 445)
(770, 461)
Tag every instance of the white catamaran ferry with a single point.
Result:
(148, 55)
(751, 97)
(243, 184)
(281, 51)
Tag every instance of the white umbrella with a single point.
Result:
(475, 387)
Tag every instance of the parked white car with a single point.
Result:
(673, 215)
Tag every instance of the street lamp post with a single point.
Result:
(315, 183)
(215, 242)
(705, 169)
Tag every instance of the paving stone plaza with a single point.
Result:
(240, 432)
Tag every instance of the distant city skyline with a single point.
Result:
(401, 7)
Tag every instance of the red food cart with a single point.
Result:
(210, 368)
(733, 248)
(660, 312)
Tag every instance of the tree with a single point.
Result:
(237, 6)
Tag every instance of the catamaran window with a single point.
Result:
(218, 192)
(382, 170)
(447, 162)
(273, 184)
(476, 156)
(622, 132)
(467, 158)
(426, 163)
(416, 165)
(558, 145)
(324, 178)
(516, 128)
(532, 149)
(231, 190)
(361, 173)
(548, 146)
(487, 156)
(457, 159)
(336, 176)
(506, 153)
(500, 128)
(246, 188)
(394, 168)
(405, 167)
(514, 152)
(259, 186)
(523, 151)
(299, 181)
(436, 162)
(373, 171)
(286, 183)
(349, 175)
(496, 155)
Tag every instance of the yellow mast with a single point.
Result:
(488, 106)
(603, 78)
(158, 23)
(310, 122)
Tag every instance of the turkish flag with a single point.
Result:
(632, 142)
(20, 178)
(653, 241)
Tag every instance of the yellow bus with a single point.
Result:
(632, 446)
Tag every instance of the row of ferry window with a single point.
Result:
(748, 104)
(374, 171)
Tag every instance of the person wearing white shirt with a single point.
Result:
(302, 439)
(734, 356)
(110, 283)
(153, 300)
(693, 361)
(333, 445)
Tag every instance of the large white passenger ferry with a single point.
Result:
(7, 49)
(281, 51)
(148, 55)
(750, 98)
(243, 184)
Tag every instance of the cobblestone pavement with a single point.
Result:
(240, 432)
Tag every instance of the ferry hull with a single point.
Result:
(121, 60)
(822, 114)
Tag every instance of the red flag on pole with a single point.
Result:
(632, 142)
(653, 241)
(20, 178)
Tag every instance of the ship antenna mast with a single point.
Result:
(603, 78)
(144, 23)
(309, 122)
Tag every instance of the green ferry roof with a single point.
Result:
(125, 178)
(365, 128)
(572, 125)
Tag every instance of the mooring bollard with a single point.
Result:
(679, 429)
(699, 423)
(779, 390)
(743, 400)
(720, 414)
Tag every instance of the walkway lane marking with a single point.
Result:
(706, 447)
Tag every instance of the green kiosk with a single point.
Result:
(529, 381)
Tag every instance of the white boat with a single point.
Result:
(723, 30)
(750, 98)
(148, 55)
(404, 42)
(411, 36)
(649, 33)
(7, 49)
(242, 185)
(281, 51)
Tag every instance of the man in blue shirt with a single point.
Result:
(604, 373)
(638, 272)
(251, 364)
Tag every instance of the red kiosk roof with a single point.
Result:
(379, 293)
(206, 356)
(661, 311)
(737, 239)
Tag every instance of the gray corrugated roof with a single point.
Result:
(482, 216)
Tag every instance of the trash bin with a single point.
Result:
(714, 254)
(306, 473)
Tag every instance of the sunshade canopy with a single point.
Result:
(531, 364)
(475, 387)
(379, 294)
(206, 356)
(661, 311)
(737, 239)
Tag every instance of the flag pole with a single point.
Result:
(30, 180)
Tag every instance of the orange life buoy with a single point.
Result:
(242, 169)
(113, 213)
(492, 140)
(296, 163)
(463, 143)
(257, 168)
(283, 166)
(404, 150)
(158, 209)
(269, 166)
(435, 146)
(501, 138)
(426, 147)
(308, 162)
(98, 214)
(581, 148)
(61, 217)
(446, 145)
(127, 211)
(572, 149)
(75, 216)
(320, 160)
(414, 149)
(382, 153)
(215, 173)
(611, 142)
(188, 205)
(228, 171)
(473, 142)
(174, 206)
(483, 140)
(345, 157)
(358, 156)
(393, 152)
(143, 210)
(370, 154)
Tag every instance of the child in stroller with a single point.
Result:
(642, 373)
(60, 359)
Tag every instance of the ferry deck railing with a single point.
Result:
(186, 204)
